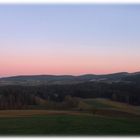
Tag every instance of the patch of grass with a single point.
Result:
(121, 106)
(97, 103)
(100, 103)
(69, 125)
(84, 106)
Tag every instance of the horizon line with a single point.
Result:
(66, 74)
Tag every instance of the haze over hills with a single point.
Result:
(69, 79)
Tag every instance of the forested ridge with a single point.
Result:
(20, 97)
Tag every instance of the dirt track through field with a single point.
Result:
(27, 113)
(30, 113)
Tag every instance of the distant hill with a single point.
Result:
(69, 79)
(134, 77)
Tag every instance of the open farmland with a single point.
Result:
(67, 125)
(43, 122)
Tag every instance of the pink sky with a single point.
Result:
(65, 61)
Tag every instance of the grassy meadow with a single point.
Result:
(94, 117)
(68, 125)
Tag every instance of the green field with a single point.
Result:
(106, 104)
(69, 125)
(97, 103)
(90, 117)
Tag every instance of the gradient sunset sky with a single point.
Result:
(69, 39)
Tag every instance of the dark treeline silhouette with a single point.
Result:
(20, 97)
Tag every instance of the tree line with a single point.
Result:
(20, 97)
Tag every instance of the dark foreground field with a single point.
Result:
(51, 124)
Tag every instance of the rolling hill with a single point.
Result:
(69, 79)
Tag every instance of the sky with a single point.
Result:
(69, 39)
